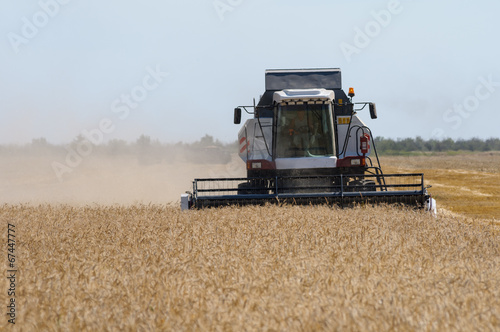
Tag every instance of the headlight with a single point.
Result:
(256, 165)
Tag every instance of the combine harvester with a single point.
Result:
(307, 145)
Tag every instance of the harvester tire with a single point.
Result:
(243, 188)
(255, 187)
(361, 185)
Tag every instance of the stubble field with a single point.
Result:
(123, 264)
(467, 184)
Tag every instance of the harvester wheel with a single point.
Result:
(369, 185)
(361, 185)
(243, 188)
(255, 187)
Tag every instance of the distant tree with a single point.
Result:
(117, 146)
(81, 141)
(143, 141)
(493, 144)
(39, 142)
(205, 141)
(38, 146)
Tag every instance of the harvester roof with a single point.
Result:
(300, 79)
(282, 79)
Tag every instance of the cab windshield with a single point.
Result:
(304, 131)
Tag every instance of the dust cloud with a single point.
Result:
(103, 178)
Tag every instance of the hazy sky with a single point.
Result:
(175, 70)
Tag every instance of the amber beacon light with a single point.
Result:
(351, 92)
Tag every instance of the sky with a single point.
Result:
(175, 70)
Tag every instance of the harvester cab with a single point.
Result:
(306, 145)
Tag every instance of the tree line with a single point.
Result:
(147, 150)
(210, 150)
(418, 144)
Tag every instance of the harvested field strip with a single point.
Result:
(253, 268)
(464, 184)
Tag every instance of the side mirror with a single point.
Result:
(373, 111)
(237, 115)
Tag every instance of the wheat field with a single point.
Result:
(153, 267)
(104, 251)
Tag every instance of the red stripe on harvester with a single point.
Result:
(244, 148)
